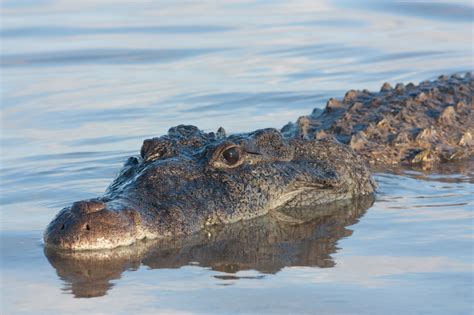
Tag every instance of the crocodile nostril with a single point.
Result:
(88, 228)
(62, 227)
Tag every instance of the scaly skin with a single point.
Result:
(182, 183)
(266, 244)
(189, 179)
(414, 124)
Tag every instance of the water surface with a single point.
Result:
(83, 84)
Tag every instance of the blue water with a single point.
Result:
(83, 83)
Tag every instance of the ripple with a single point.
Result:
(452, 12)
(431, 10)
(101, 56)
(237, 101)
(65, 31)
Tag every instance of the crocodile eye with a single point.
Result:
(231, 156)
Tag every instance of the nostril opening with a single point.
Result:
(62, 227)
(88, 227)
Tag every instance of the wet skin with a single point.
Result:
(266, 244)
(424, 124)
(188, 179)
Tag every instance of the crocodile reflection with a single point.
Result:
(290, 237)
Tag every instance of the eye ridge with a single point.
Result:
(231, 156)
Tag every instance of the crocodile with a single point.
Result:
(189, 179)
(265, 244)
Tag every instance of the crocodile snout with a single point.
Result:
(93, 224)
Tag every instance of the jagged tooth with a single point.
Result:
(456, 76)
(350, 96)
(386, 87)
(466, 140)
(447, 116)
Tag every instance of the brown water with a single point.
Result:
(84, 83)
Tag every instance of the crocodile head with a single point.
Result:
(189, 179)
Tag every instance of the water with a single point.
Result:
(83, 84)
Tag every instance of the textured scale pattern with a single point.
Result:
(182, 182)
(409, 124)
